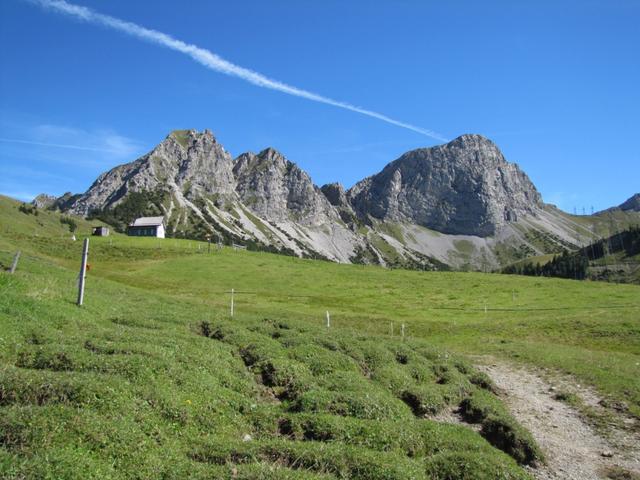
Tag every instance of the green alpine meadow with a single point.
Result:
(153, 378)
(362, 240)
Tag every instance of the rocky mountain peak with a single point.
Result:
(187, 137)
(269, 158)
(275, 188)
(44, 200)
(632, 203)
(187, 162)
(471, 140)
(272, 154)
(336, 194)
(463, 187)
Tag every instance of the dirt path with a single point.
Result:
(574, 450)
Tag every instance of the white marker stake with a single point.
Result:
(14, 264)
(402, 331)
(232, 292)
(83, 271)
(328, 319)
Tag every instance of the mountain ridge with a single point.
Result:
(630, 204)
(447, 186)
(460, 204)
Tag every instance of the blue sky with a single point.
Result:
(554, 84)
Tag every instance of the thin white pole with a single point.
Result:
(14, 264)
(83, 271)
(402, 331)
(232, 293)
(328, 319)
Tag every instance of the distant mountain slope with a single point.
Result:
(616, 258)
(458, 205)
(632, 204)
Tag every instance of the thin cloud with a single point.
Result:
(46, 143)
(18, 195)
(58, 145)
(214, 62)
(42, 156)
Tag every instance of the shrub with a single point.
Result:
(28, 209)
(70, 222)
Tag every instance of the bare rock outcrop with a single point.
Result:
(460, 204)
(463, 187)
(187, 163)
(44, 201)
(278, 190)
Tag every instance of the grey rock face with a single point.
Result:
(278, 190)
(66, 201)
(187, 162)
(44, 201)
(463, 187)
(336, 194)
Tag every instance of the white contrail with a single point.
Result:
(213, 61)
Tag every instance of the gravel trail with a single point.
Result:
(574, 450)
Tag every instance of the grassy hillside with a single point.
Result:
(151, 378)
(614, 259)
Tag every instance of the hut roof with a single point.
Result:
(147, 222)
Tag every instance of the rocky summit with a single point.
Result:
(465, 187)
(457, 205)
(278, 190)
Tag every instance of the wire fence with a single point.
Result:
(6, 257)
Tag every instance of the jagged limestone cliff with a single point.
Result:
(465, 187)
(458, 205)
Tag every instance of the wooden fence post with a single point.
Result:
(83, 271)
(232, 292)
(14, 264)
